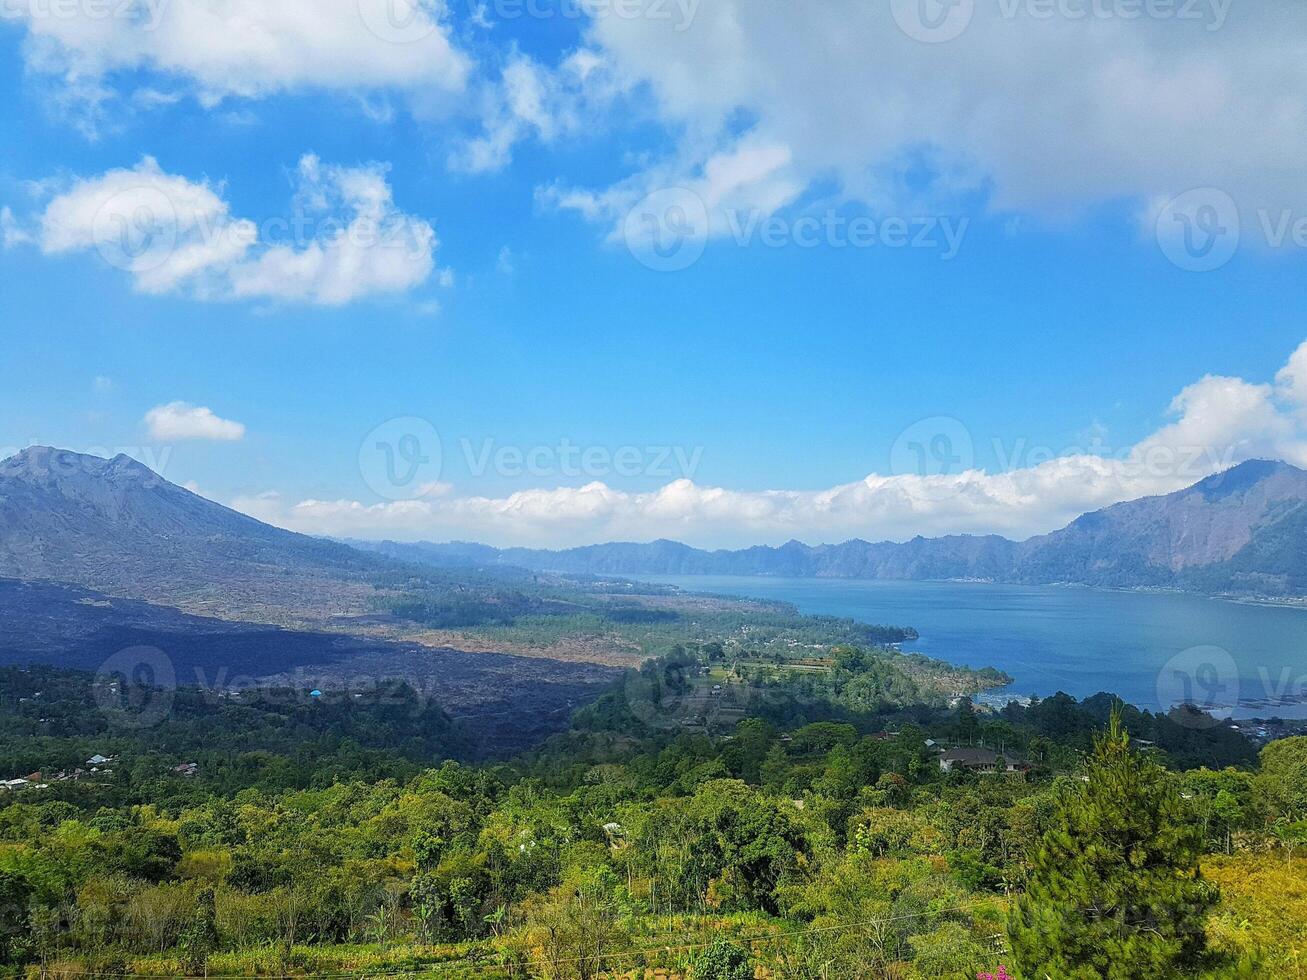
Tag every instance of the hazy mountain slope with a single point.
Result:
(1244, 530)
(117, 527)
(1273, 563)
(1160, 540)
(960, 556)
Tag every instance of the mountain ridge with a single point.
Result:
(1241, 531)
(116, 526)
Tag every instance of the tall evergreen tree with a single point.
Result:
(200, 939)
(1114, 891)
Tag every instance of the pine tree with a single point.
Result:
(1114, 890)
(199, 940)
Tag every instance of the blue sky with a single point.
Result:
(1052, 343)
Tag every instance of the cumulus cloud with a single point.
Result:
(177, 421)
(1032, 108)
(345, 240)
(245, 48)
(1214, 423)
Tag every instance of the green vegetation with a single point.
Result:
(808, 831)
(514, 609)
(1114, 889)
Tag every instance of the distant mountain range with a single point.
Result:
(1243, 531)
(117, 527)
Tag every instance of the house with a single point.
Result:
(98, 760)
(187, 769)
(977, 758)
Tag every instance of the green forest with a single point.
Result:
(720, 814)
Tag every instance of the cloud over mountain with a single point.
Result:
(1216, 422)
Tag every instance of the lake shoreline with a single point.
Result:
(1143, 645)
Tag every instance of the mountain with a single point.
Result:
(1241, 531)
(1201, 537)
(116, 526)
(103, 559)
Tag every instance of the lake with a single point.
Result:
(1152, 649)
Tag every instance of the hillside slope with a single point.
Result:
(115, 526)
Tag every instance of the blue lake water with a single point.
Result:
(1152, 649)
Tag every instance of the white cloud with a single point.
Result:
(181, 420)
(1292, 380)
(1217, 422)
(505, 264)
(245, 48)
(11, 232)
(381, 250)
(531, 101)
(1042, 113)
(346, 239)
